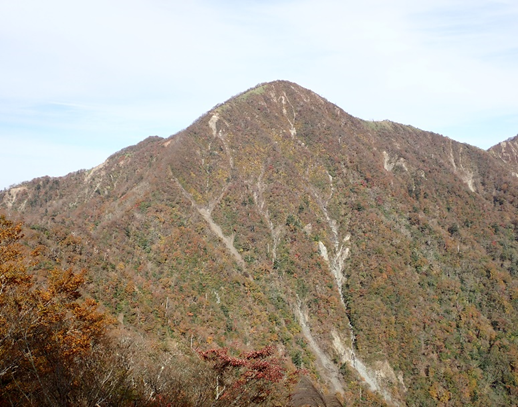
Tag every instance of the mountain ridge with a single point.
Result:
(256, 89)
(334, 232)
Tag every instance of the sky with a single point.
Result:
(80, 80)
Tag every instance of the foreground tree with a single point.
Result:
(47, 330)
(252, 378)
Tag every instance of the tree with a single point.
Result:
(253, 378)
(47, 329)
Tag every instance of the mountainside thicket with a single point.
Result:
(58, 349)
(380, 258)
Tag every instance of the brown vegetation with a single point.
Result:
(430, 226)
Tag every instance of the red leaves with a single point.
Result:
(252, 373)
(259, 354)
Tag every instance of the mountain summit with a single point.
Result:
(381, 258)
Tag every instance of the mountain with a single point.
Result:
(507, 151)
(381, 258)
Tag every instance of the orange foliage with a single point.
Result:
(44, 328)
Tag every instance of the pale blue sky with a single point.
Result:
(79, 80)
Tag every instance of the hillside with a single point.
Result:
(380, 257)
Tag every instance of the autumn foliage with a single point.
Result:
(46, 328)
(55, 349)
(247, 379)
(400, 245)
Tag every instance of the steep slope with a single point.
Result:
(507, 151)
(371, 253)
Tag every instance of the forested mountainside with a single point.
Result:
(379, 258)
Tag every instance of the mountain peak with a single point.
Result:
(282, 91)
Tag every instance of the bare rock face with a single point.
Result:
(507, 151)
(381, 258)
